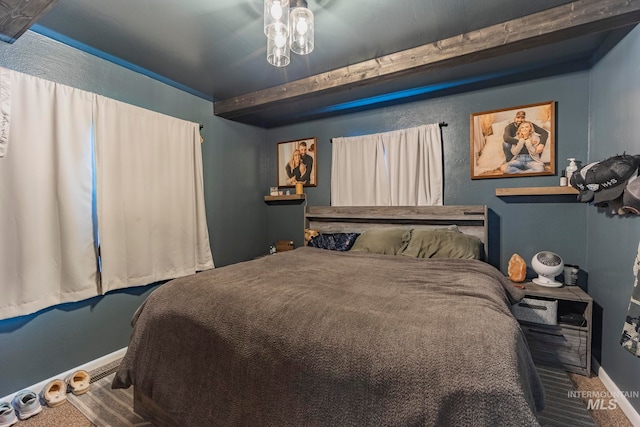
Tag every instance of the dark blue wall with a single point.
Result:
(33, 348)
(526, 225)
(612, 241)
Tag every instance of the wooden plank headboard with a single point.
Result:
(470, 219)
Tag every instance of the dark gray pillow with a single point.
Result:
(334, 241)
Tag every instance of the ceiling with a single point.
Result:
(216, 49)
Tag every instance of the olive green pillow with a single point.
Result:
(443, 244)
(390, 241)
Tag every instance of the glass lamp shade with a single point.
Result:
(301, 30)
(276, 17)
(278, 50)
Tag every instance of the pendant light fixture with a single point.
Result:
(301, 27)
(288, 27)
(278, 50)
(276, 18)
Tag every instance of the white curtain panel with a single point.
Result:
(151, 216)
(398, 168)
(358, 174)
(47, 254)
(414, 163)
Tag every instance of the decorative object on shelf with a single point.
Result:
(548, 265)
(287, 30)
(603, 183)
(563, 179)
(299, 188)
(571, 274)
(571, 168)
(502, 147)
(517, 268)
(297, 163)
(273, 191)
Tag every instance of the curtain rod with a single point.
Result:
(441, 124)
(201, 127)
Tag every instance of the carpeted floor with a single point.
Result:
(68, 415)
(602, 417)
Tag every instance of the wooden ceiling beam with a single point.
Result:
(17, 17)
(553, 25)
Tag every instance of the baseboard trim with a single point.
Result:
(89, 366)
(621, 400)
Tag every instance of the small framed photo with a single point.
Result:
(273, 191)
(514, 141)
(297, 162)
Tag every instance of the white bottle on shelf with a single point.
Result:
(571, 169)
(563, 179)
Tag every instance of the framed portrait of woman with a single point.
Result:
(514, 141)
(298, 162)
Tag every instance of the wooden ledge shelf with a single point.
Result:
(535, 191)
(285, 197)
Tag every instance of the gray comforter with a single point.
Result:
(312, 337)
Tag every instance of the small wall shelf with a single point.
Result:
(535, 191)
(285, 198)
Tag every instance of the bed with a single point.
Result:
(316, 337)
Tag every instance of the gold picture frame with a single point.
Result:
(500, 148)
(297, 162)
